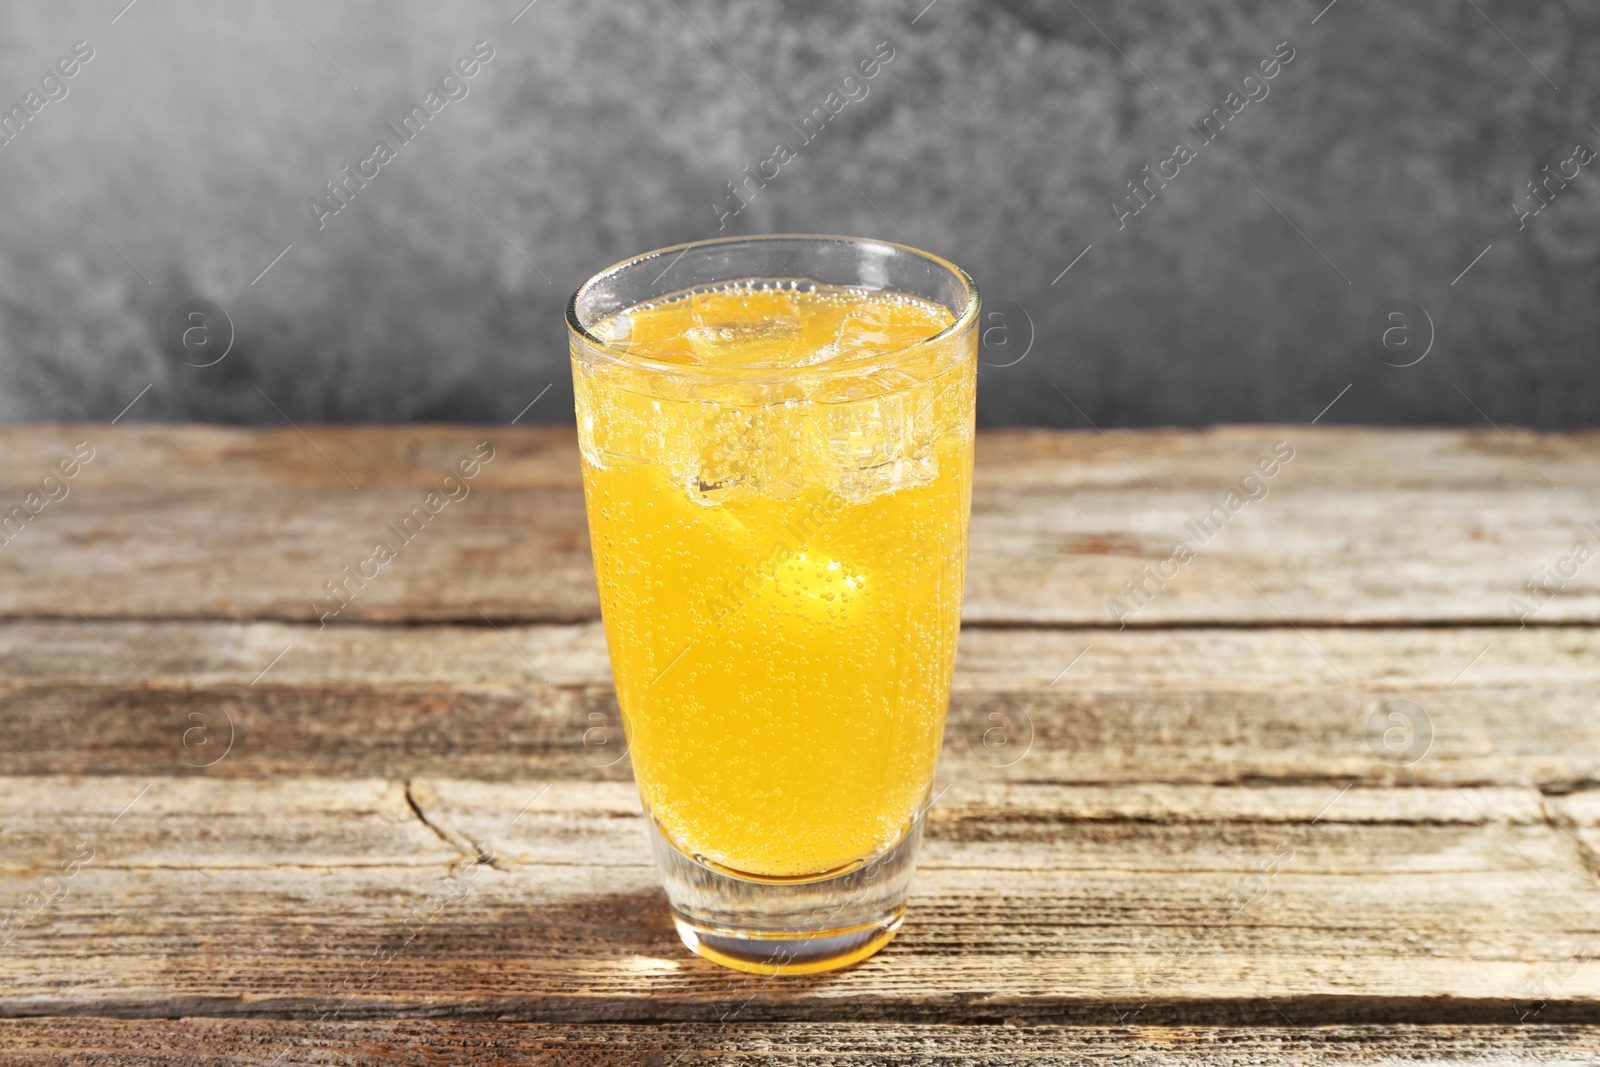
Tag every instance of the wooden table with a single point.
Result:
(406, 835)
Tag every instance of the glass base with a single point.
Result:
(789, 925)
(763, 953)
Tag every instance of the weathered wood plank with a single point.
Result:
(1313, 556)
(449, 846)
(1205, 705)
(196, 456)
(1361, 526)
(196, 823)
(229, 1042)
(1339, 457)
(1094, 905)
(210, 457)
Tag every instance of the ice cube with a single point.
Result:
(865, 328)
(884, 324)
(745, 327)
(880, 444)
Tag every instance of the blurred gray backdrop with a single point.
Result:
(1360, 227)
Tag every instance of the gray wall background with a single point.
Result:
(1386, 157)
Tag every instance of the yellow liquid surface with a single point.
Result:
(780, 566)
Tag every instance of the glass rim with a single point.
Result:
(575, 326)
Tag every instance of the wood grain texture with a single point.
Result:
(194, 456)
(1360, 527)
(1505, 706)
(258, 1042)
(1181, 841)
(534, 902)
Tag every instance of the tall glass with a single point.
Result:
(777, 445)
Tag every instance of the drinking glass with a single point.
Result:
(776, 438)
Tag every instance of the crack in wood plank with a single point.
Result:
(469, 849)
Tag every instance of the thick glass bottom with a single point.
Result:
(789, 925)
(764, 953)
